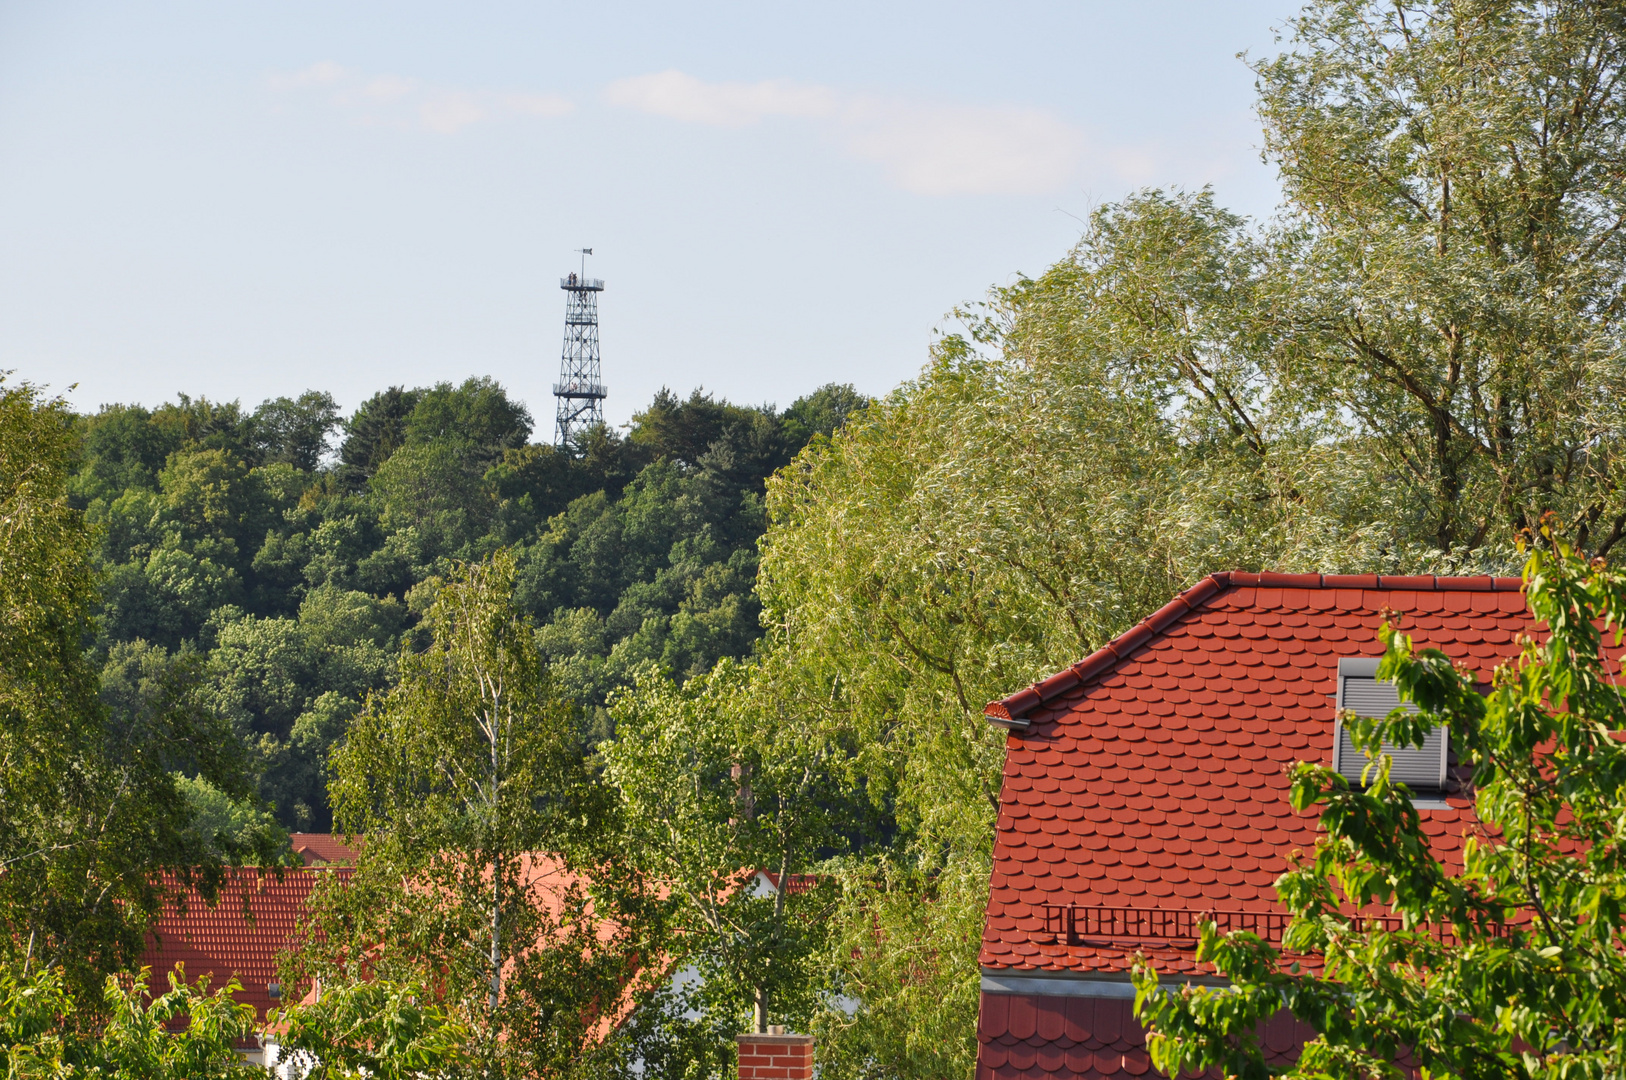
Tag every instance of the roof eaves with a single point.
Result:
(1011, 712)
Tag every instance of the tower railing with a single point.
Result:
(580, 389)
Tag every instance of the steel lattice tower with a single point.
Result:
(580, 388)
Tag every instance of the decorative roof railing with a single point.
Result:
(1180, 929)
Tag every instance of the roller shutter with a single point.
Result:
(1360, 692)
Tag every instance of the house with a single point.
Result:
(1146, 786)
(257, 918)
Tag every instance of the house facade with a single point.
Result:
(1146, 787)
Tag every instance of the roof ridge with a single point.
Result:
(1011, 711)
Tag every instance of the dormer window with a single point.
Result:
(1360, 692)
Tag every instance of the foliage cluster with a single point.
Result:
(134, 1039)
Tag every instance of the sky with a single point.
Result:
(249, 199)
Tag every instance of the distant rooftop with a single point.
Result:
(322, 849)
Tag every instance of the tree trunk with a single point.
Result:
(496, 877)
(496, 932)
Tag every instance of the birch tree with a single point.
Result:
(467, 784)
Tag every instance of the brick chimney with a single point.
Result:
(775, 1056)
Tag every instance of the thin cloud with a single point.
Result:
(953, 150)
(924, 147)
(403, 102)
(680, 96)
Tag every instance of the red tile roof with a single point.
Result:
(1029, 1035)
(258, 914)
(1153, 774)
(322, 849)
(254, 921)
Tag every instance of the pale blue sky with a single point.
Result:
(246, 199)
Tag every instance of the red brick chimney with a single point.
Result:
(775, 1056)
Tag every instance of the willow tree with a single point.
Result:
(1058, 471)
(1453, 253)
(468, 784)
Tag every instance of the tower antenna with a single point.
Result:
(580, 388)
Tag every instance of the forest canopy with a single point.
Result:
(285, 553)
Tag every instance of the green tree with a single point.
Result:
(713, 790)
(1530, 981)
(91, 820)
(139, 1041)
(123, 448)
(290, 685)
(295, 430)
(185, 1031)
(209, 425)
(1452, 260)
(374, 431)
(902, 937)
(214, 493)
(823, 412)
(435, 490)
(371, 1029)
(468, 781)
(477, 416)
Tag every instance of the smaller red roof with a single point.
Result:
(242, 934)
(1086, 1038)
(323, 849)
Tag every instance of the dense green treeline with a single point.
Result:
(281, 555)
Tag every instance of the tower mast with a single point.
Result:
(580, 388)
